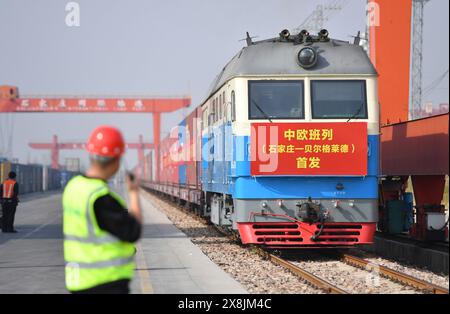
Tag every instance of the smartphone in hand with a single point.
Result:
(131, 176)
(132, 183)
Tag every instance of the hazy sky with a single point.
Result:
(154, 47)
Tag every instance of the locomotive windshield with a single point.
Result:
(276, 100)
(339, 99)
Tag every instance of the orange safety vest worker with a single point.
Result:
(8, 188)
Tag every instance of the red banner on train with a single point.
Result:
(309, 149)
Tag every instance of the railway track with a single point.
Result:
(394, 275)
(307, 276)
(358, 262)
(385, 272)
(323, 284)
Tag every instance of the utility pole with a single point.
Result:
(417, 59)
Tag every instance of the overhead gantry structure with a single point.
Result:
(55, 147)
(11, 102)
(416, 149)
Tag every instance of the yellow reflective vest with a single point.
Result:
(93, 256)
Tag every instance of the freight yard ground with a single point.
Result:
(31, 261)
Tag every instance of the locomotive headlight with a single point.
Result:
(307, 57)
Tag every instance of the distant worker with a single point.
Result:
(9, 200)
(98, 229)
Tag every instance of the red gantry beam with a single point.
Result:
(100, 105)
(11, 102)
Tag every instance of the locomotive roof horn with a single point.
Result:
(304, 33)
(285, 34)
(304, 37)
(323, 35)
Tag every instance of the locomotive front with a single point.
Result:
(302, 141)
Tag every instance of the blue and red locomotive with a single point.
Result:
(285, 149)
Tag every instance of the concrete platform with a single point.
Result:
(431, 257)
(31, 261)
(173, 263)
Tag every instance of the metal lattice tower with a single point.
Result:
(323, 13)
(417, 59)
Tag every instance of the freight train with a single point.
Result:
(285, 148)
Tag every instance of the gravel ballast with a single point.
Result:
(254, 273)
(259, 275)
(352, 279)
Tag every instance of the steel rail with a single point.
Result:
(346, 258)
(303, 274)
(309, 277)
(394, 275)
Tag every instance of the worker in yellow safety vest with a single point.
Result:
(99, 231)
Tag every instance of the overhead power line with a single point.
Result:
(435, 84)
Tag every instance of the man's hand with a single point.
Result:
(133, 194)
(132, 183)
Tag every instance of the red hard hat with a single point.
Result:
(106, 141)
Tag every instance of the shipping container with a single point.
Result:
(168, 168)
(73, 164)
(29, 177)
(54, 179)
(193, 148)
(36, 178)
(5, 168)
(148, 167)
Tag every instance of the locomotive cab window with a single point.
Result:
(276, 100)
(339, 99)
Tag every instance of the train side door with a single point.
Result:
(228, 146)
(211, 119)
